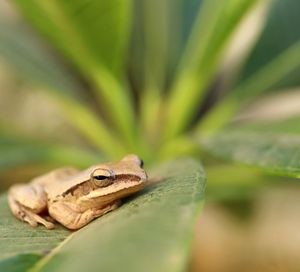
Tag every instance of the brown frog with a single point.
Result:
(74, 198)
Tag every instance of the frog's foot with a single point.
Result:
(24, 214)
(108, 208)
(73, 219)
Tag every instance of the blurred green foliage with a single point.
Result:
(145, 77)
(146, 67)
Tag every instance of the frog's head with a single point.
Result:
(118, 179)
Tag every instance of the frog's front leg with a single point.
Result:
(66, 214)
(27, 201)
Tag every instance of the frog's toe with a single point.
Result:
(41, 220)
(28, 216)
(28, 219)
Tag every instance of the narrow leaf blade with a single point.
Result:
(34, 62)
(97, 30)
(273, 63)
(17, 151)
(274, 153)
(214, 27)
(27, 54)
(94, 35)
(280, 32)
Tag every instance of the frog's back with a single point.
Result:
(55, 176)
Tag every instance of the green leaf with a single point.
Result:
(19, 263)
(280, 32)
(97, 30)
(26, 53)
(17, 151)
(274, 63)
(94, 35)
(274, 153)
(289, 125)
(231, 182)
(156, 34)
(151, 231)
(264, 78)
(33, 61)
(213, 28)
(18, 238)
(92, 127)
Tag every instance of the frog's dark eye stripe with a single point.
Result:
(100, 177)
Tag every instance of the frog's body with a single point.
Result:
(73, 197)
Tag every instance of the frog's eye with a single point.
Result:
(100, 177)
(102, 174)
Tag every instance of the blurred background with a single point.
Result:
(251, 219)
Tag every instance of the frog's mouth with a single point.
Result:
(122, 186)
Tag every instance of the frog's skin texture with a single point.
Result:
(74, 198)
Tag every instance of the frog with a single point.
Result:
(74, 198)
